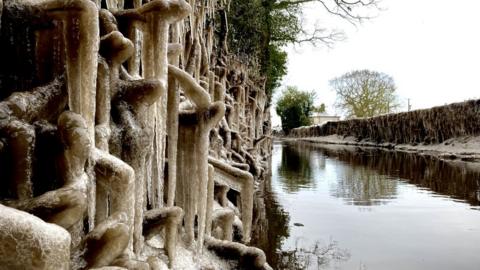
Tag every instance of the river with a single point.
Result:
(334, 207)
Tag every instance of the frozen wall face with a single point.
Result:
(120, 123)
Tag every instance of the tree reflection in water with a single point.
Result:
(271, 221)
(360, 186)
(357, 184)
(371, 176)
(272, 229)
(453, 179)
(295, 168)
(270, 226)
(363, 177)
(318, 256)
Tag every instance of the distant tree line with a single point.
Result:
(360, 93)
(295, 108)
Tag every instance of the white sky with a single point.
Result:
(430, 47)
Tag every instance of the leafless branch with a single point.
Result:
(344, 9)
(321, 35)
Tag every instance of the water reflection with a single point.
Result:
(369, 178)
(271, 222)
(317, 256)
(411, 202)
(359, 186)
(296, 169)
(270, 225)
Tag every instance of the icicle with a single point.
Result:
(152, 183)
(102, 117)
(159, 15)
(118, 178)
(194, 129)
(211, 84)
(187, 169)
(192, 17)
(81, 33)
(137, 38)
(172, 121)
(130, 111)
(202, 170)
(219, 92)
(156, 66)
(210, 190)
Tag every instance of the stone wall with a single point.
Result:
(123, 121)
(429, 126)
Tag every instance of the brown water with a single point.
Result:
(350, 208)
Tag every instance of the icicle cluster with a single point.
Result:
(125, 122)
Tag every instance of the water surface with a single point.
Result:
(351, 208)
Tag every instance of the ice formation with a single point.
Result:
(122, 122)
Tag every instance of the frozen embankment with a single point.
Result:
(450, 131)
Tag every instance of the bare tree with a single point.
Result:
(354, 12)
(260, 29)
(365, 93)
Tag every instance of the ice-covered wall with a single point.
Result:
(120, 120)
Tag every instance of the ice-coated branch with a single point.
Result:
(193, 90)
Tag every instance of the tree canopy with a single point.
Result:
(294, 108)
(260, 29)
(365, 93)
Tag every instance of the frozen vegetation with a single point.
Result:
(129, 137)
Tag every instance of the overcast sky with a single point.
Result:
(430, 47)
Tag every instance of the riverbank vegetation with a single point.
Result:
(294, 108)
